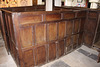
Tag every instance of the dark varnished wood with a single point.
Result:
(52, 48)
(35, 36)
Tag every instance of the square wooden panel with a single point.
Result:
(61, 48)
(76, 25)
(40, 54)
(28, 58)
(53, 17)
(62, 30)
(26, 37)
(40, 32)
(52, 31)
(69, 27)
(91, 25)
(52, 51)
(75, 41)
(88, 39)
(68, 41)
(69, 15)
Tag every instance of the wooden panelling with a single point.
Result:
(25, 19)
(91, 25)
(52, 48)
(69, 15)
(11, 28)
(69, 48)
(40, 32)
(75, 41)
(76, 25)
(40, 54)
(80, 40)
(81, 14)
(83, 20)
(26, 37)
(88, 39)
(97, 39)
(52, 31)
(62, 30)
(53, 17)
(92, 14)
(35, 36)
(28, 58)
(61, 48)
(69, 27)
(68, 41)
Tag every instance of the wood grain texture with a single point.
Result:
(36, 37)
(88, 39)
(53, 17)
(26, 37)
(75, 41)
(62, 30)
(69, 15)
(69, 27)
(25, 19)
(40, 32)
(61, 49)
(91, 26)
(40, 55)
(68, 41)
(52, 31)
(92, 14)
(52, 51)
(28, 58)
(81, 14)
(76, 25)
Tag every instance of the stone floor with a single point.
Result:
(82, 57)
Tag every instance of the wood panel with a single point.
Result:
(61, 48)
(92, 14)
(76, 25)
(91, 25)
(28, 57)
(88, 39)
(81, 14)
(40, 32)
(52, 31)
(75, 41)
(62, 30)
(52, 48)
(69, 27)
(69, 15)
(40, 55)
(83, 21)
(53, 17)
(26, 37)
(68, 41)
(29, 18)
(80, 40)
